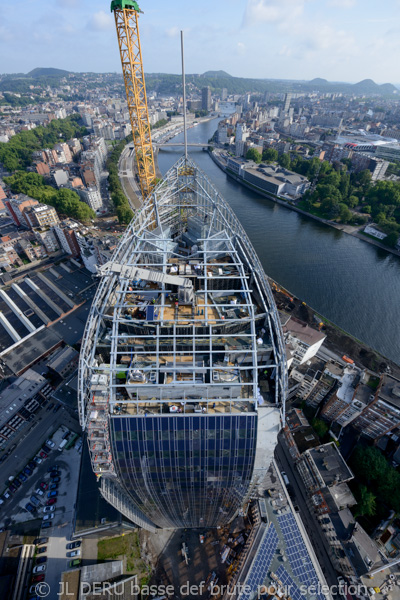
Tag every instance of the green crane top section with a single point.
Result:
(121, 4)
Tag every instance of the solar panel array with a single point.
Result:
(290, 587)
(261, 563)
(297, 552)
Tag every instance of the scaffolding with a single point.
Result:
(183, 302)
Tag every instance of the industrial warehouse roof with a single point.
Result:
(39, 299)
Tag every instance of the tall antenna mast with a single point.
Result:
(184, 95)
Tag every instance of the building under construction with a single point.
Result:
(181, 329)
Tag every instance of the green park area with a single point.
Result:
(125, 547)
(341, 195)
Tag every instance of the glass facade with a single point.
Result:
(185, 471)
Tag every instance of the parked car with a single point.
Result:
(41, 559)
(30, 508)
(6, 495)
(41, 550)
(47, 524)
(44, 485)
(31, 464)
(53, 486)
(48, 509)
(73, 545)
(32, 590)
(52, 494)
(73, 553)
(54, 468)
(35, 501)
(38, 460)
(39, 569)
(46, 449)
(46, 517)
(40, 492)
(50, 443)
(74, 563)
(16, 482)
(50, 406)
(57, 408)
(42, 454)
(37, 578)
(40, 541)
(28, 471)
(51, 501)
(13, 488)
(55, 480)
(22, 477)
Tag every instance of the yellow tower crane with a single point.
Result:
(126, 13)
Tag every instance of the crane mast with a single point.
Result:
(126, 13)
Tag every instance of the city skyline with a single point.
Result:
(290, 39)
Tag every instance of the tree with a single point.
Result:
(366, 502)
(345, 214)
(347, 162)
(253, 154)
(323, 191)
(352, 201)
(64, 201)
(385, 192)
(332, 178)
(313, 166)
(369, 464)
(391, 239)
(125, 214)
(270, 155)
(284, 161)
(321, 428)
(344, 184)
(362, 180)
(330, 206)
(17, 153)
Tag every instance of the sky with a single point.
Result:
(339, 40)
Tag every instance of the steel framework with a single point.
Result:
(183, 317)
(127, 25)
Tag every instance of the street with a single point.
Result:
(31, 439)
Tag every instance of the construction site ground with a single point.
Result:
(204, 559)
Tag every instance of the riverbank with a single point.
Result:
(338, 341)
(354, 231)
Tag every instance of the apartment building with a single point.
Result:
(48, 239)
(16, 208)
(382, 414)
(66, 236)
(41, 215)
(303, 339)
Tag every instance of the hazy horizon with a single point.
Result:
(338, 81)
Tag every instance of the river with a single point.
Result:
(350, 282)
